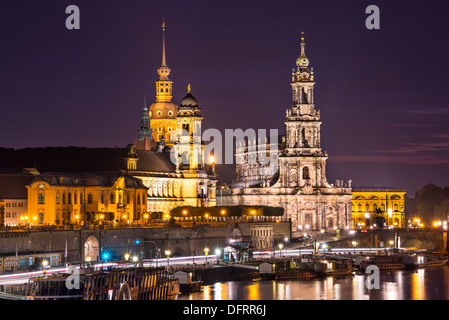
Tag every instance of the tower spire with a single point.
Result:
(302, 62)
(163, 44)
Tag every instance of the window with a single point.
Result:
(81, 198)
(367, 207)
(41, 218)
(90, 198)
(75, 198)
(360, 207)
(57, 198)
(127, 196)
(159, 113)
(63, 198)
(41, 198)
(143, 198)
(112, 198)
(69, 198)
(305, 173)
(102, 197)
(138, 199)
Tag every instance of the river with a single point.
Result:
(418, 284)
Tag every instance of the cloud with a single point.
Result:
(405, 159)
(429, 111)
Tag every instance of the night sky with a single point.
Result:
(383, 94)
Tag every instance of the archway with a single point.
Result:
(91, 248)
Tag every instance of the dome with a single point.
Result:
(189, 101)
(163, 110)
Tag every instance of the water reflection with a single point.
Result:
(420, 284)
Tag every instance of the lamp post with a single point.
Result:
(218, 253)
(168, 253)
(280, 249)
(157, 249)
(206, 252)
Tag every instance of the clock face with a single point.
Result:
(41, 186)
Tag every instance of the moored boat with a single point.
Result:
(392, 262)
(425, 260)
(333, 267)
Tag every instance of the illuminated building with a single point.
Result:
(71, 198)
(366, 201)
(298, 181)
(13, 194)
(163, 112)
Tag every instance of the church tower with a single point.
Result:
(303, 160)
(144, 141)
(189, 144)
(163, 112)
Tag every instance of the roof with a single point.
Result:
(13, 186)
(86, 179)
(81, 159)
(152, 161)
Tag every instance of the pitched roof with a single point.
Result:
(13, 186)
(80, 159)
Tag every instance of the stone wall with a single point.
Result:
(183, 241)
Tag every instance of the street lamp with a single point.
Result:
(168, 253)
(206, 252)
(280, 249)
(218, 253)
(126, 256)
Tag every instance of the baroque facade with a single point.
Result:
(367, 202)
(295, 178)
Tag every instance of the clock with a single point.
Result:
(41, 186)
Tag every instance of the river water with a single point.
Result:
(418, 284)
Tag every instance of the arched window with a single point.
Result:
(305, 173)
(57, 198)
(69, 198)
(374, 207)
(395, 207)
(367, 207)
(382, 207)
(360, 207)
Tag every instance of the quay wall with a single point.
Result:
(179, 240)
(422, 239)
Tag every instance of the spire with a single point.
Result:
(188, 88)
(302, 62)
(163, 70)
(163, 44)
(145, 127)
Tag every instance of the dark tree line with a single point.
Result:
(430, 203)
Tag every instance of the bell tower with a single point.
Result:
(163, 112)
(303, 159)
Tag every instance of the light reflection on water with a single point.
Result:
(420, 284)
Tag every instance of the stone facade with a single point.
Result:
(296, 177)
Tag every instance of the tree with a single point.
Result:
(428, 198)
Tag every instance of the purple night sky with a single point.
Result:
(383, 94)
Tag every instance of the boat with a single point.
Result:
(333, 267)
(294, 273)
(387, 262)
(425, 260)
(115, 284)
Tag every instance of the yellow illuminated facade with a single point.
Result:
(365, 202)
(61, 199)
